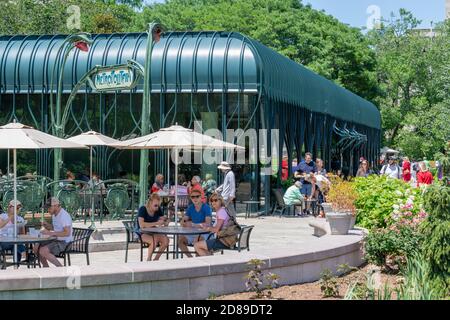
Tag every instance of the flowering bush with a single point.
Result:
(406, 213)
(376, 197)
(390, 247)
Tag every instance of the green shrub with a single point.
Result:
(436, 230)
(376, 197)
(394, 244)
(328, 284)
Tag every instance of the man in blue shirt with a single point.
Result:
(198, 215)
(305, 174)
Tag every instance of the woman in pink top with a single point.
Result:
(204, 248)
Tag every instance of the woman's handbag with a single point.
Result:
(229, 234)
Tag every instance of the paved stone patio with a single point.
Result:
(270, 233)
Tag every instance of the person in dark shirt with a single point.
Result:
(150, 216)
(305, 174)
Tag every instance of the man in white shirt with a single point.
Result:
(61, 228)
(227, 190)
(391, 169)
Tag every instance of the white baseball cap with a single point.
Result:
(16, 203)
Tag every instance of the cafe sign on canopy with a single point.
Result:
(111, 78)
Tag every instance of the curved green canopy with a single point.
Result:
(185, 62)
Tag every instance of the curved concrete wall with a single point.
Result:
(196, 278)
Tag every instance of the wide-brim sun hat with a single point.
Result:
(224, 165)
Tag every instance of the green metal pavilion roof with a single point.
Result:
(185, 62)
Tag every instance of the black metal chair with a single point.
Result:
(243, 239)
(133, 237)
(280, 205)
(79, 244)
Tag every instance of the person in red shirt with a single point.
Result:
(284, 169)
(195, 185)
(406, 169)
(158, 185)
(424, 176)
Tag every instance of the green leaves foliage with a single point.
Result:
(377, 195)
(436, 229)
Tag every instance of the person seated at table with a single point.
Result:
(7, 227)
(206, 247)
(198, 214)
(293, 197)
(195, 185)
(150, 216)
(158, 185)
(61, 228)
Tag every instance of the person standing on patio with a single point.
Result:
(61, 228)
(406, 169)
(227, 190)
(209, 185)
(391, 169)
(198, 214)
(195, 185)
(150, 216)
(424, 176)
(305, 172)
(7, 227)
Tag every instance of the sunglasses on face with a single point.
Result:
(195, 197)
(214, 200)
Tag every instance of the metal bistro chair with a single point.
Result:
(117, 200)
(79, 244)
(280, 205)
(183, 203)
(134, 237)
(243, 239)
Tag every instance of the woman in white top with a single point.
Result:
(7, 227)
(391, 169)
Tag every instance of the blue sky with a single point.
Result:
(354, 12)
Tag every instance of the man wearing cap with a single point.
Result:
(61, 228)
(391, 169)
(227, 190)
(7, 227)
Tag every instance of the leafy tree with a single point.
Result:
(413, 77)
(305, 35)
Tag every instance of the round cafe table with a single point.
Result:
(176, 231)
(26, 240)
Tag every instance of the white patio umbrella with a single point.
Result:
(18, 136)
(91, 139)
(388, 150)
(176, 137)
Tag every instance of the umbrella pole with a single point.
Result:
(92, 226)
(15, 206)
(7, 169)
(168, 168)
(176, 187)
